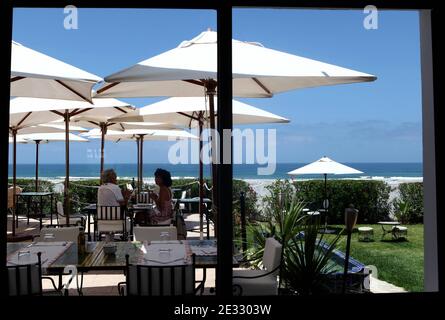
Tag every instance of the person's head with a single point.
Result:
(109, 176)
(163, 178)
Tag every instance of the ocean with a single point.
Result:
(384, 171)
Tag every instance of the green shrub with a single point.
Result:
(29, 185)
(412, 195)
(368, 196)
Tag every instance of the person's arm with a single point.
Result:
(161, 198)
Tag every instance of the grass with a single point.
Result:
(397, 262)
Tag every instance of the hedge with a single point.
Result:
(368, 196)
(412, 194)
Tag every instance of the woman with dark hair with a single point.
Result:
(163, 212)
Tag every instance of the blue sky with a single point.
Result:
(364, 122)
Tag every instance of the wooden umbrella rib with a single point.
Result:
(120, 109)
(187, 116)
(17, 78)
(23, 119)
(77, 111)
(111, 85)
(58, 113)
(262, 86)
(197, 82)
(74, 91)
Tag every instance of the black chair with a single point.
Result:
(143, 197)
(25, 280)
(111, 219)
(173, 280)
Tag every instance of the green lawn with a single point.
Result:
(400, 263)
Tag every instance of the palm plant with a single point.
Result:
(307, 264)
(285, 214)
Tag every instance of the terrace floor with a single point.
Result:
(105, 284)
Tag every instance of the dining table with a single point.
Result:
(94, 258)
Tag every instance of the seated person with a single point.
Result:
(109, 193)
(163, 213)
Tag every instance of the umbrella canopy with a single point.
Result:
(131, 134)
(324, 166)
(49, 137)
(50, 128)
(34, 74)
(257, 71)
(185, 112)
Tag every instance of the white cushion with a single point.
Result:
(113, 225)
(153, 233)
(401, 228)
(263, 286)
(272, 255)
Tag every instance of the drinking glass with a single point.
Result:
(24, 256)
(165, 236)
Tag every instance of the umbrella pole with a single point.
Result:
(210, 86)
(137, 167)
(37, 165)
(201, 184)
(142, 161)
(325, 199)
(14, 179)
(103, 129)
(67, 167)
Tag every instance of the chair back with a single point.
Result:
(154, 233)
(11, 195)
(25, 280)
(110, 213)
(59, 207)
(143, 197)
(61, 233)
(172, 280)
(272, 255)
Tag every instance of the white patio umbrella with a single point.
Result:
(258, 71)
(324, 166)
(34, 74)
(140, 135)
(193, 112)
(191, 69)
(39, 138)
(36, 110)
